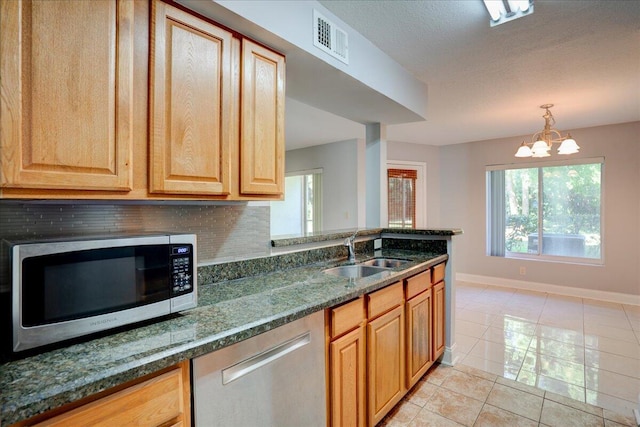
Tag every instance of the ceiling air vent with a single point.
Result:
(328, 37)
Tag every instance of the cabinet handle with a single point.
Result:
(241, 369)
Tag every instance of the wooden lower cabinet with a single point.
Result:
(380, 345)
(439, 329)
(386, 354)
(346, 364)
(419, 316)
(347, 381)
(162, 399)
(419, 334)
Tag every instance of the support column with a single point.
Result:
(376, 175)
(451, 354)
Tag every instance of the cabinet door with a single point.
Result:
(262, 118)
(347, 381)
(66, 106)
(191, 104)
(419, 327)
(438, 320)
(386, 367)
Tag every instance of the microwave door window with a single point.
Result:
(87, 288)
(76, 285)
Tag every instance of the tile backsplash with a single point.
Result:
(226, 232)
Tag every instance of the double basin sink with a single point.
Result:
(366, 268)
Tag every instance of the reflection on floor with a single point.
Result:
(534, 359)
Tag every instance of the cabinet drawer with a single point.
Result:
(381, 301)
(417, 284)
(160, 400)
(438, 273)
(346, 317)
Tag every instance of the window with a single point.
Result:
(300, 213)
(402, 197)
(547, 211)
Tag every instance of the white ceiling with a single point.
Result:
(484, 83)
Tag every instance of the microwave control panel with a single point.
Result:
(181, 269)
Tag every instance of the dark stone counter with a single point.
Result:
(325, 236)
(228, 311)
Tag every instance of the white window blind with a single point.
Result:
(401, 187)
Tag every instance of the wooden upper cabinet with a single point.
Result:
(77, 119)
(66, 79)
(262, 121)
(191, 104)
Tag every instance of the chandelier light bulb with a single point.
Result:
(524, 150)
(568, 146)
(539, 147)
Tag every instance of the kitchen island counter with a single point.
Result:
(228, 312)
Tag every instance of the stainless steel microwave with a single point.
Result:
(63, 289)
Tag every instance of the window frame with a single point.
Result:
(316, 176)
(404, 175)
(491, 238)
(421, 188)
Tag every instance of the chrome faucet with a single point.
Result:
(348, 242)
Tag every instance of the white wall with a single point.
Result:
(430, 155)
(462, 204)
(341, 164)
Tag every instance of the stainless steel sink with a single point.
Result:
(355, 271)
(385, 262)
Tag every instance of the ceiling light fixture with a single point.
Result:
(502, 11)
(542, 141)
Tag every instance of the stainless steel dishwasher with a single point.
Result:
(273, 379)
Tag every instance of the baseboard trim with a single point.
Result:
(450, 356)
(616, 297)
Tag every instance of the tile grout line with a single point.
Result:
(583, 349)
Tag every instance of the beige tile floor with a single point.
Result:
(531, 359)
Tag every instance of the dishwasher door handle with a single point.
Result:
(241, 369)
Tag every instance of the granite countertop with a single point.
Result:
(227, 312)
(323, 236)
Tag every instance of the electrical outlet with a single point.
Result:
(523, 271)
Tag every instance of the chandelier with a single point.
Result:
(542, 141)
